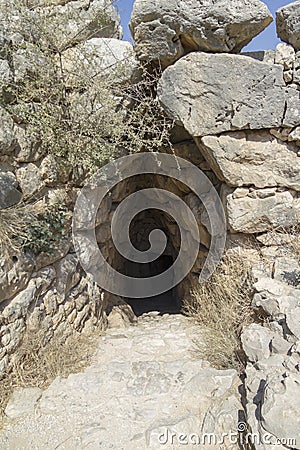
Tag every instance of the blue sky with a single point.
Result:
(266, 40)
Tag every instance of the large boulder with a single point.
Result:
(166, 30)
(273, 403)
(80, 20)
(101, 57)
(288, 24)
(254, 211)
(62, 25)
(212, 93)
(9, 193)
(252, 157)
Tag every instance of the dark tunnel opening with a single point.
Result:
(165, 303)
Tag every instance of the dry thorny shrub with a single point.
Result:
(222, 305)
(57, 29)
(37, 365)
(13, 222)
(82, 116)
(84, 112)
(287, 238)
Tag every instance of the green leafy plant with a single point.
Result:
(46, 229)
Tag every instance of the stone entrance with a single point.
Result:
(139, 231)
(141, 227)
(166, 303)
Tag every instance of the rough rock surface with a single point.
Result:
(28, 147)
(144, 383)
(244, 158)
(14, 274)
(285, 55)
(273, 388)
(7, 138)
(292, 116)
(211, 93)
(165, 30)
(256, 342)
(287, 269)
(296, 73)
(281, 302)
(9, 194)
(278, 393)
(111, 57)
(275, 297)
(272, 376)
(288, 24)
(67, 22)
(254, 211)
(30, 179)
(22, 402)
(26, 61)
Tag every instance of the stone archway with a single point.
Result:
(140, 229)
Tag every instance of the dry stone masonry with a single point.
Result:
(211, 93)
(164, 31)
(237, 117)
(48, 292)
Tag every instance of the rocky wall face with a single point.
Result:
(164, 31)
(49, 292)
(42, 287)
(243, 112)
(73, 21)
(237, 118)
(247, 133)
